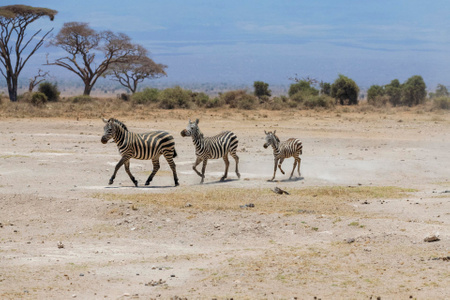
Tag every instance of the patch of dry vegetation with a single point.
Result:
(318, 200)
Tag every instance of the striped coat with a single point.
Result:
(143, 146)
(290, 148)
(213, 147)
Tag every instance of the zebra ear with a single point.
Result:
(104, 120)
(197, 121)
(274, 132)
(265, 132)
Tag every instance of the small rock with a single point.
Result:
(60, 245)
(350, 240)
(432, 238)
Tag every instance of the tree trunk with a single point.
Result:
(12, 89)
(87, 89)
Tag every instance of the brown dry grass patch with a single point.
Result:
(331, 200)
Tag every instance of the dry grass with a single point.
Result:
(318, 200)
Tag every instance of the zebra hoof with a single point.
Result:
(177, 184)
(222, 179)
(111, 181)
(147, 183)
(135, 183)
(238, 175)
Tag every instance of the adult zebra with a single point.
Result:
(140, 146)
(212, 148)
(281, 150)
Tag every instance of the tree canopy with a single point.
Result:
(138, 68)
(345, 90)
(91, 53)
(14, 20)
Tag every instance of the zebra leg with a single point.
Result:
(227, 164)
(119, 164)
(169, 159)
(127, 169)
(279, 165)
(236, 158)
(194, 167)
(274, 169)
(293, 169)
(299, 161)
(205, 161)
(155, 169)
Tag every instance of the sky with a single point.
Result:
(240, 41)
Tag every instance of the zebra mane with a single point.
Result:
(117, 122)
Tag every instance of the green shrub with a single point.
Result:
(175, 98)
(304, 87)
(298, 97)
(81, 99)
(319, 101)
(441, 103)
(38, 99)
(200, 99)
(50, 90)
(146, 96)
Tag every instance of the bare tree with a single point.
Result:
(310, 80)
(36, 79)
(14, 20)
(136, 70)
(91, 53)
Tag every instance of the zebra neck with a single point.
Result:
(120, 137)
(276, 149)
(199, 142)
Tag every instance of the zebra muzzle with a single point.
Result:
(104, 140)
(183, 133)
(266, 145)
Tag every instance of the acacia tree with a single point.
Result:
(136, 69)
(91, 53)
(14, 20)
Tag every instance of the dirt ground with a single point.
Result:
(65, 233)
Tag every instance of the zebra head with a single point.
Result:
(271, 139)
(108, 130)
(112, 125)
(191, 129)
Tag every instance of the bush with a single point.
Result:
(414, 91)
(231, 98)
(373, 92)
(50, 90)
(379, 101)
(345, 90)
(261, 89)
(304, 87)
(146, 96)
(441, 103)
(81, 99)
(200, 99)
(38, 99)
(247, 102)
(319, 101)
(277, 103)
(175, 98)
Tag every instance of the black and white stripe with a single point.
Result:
(281, 150)
(212, 148)
(143, 146)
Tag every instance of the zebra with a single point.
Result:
(140, 146)
(281, 150)
(212, 148)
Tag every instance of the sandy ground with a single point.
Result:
(53, 173)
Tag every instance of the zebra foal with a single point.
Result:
(281, 150)
(143, 146)
(212, 148)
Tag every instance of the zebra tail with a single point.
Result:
(174, 153)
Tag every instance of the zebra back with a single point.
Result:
(219, 145)
(291, 147)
